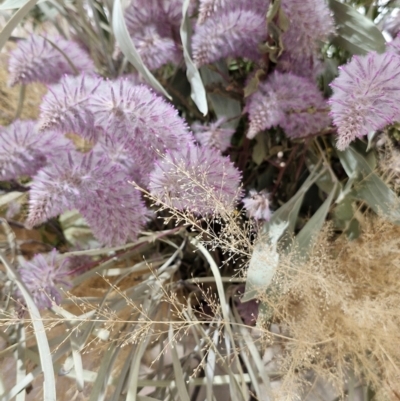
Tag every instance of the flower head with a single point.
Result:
(196, 179)
(366, 96)
(293, 102)
(211, 8)
(310, 22)
(23, 150)
(213, 135)
(151, 25)
(235, 33)
(43, 275)
(37, 60)
(257, 205)
(100, 191)
(66, 106)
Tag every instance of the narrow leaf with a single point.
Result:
(356, 33)
(128, 48)
(49, 385)
(15, 19)
(198, 93)
(176, 363)
(223, 106)
(307, 235)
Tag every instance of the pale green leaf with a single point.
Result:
(135, 369)
(14, 20)
(290, 210)
(356, 33)
(370, 188)
(263, 263)
(49, 386)
(259, 150)
(198, 93)
(21, 359)
(12, 4)
(128, 48)
(107, 362)
(307, 235)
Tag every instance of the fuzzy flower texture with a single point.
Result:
(46, 60)
(366, 95)
(45, 276)
(135, 135)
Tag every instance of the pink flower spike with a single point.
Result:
(196, 179)
(66, 106)
(37, 60)
(213, 135)
(43, 275)
(234, 33)
(295, 103)
(24, 150)
(366, 96)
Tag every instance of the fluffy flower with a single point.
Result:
(196, 179)
(209, 8)
(151, 25)
(257, 205)
(98, 190)
(66, 106)
(366, 96)
(43, 275)
(23, 150)
(235, 33)
(213, 135)
(310, 21)
(62, 186)
(293, 102)
(37, 60)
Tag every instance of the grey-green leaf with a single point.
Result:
(128, 48)
(15, 19)
(49, 385)
(356, 33)
(198, 92)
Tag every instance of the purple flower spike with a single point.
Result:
(235, 33)
(60, 187)
(37, 60)
(257, 205)
(196, 179)
(23, 150)
(210, 8)
(97, 189)
(66, 106)
(153, 27)
(366, 96)
(213, 135)
(43, 275)
(310, 21)
(293, 102)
